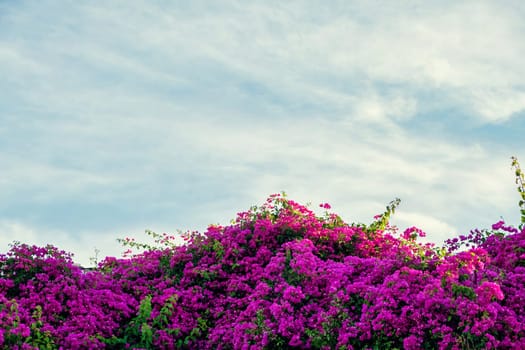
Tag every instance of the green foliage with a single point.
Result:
(329, 335)
(39, 339)
(198, 332)
(9, 338)
(259, 322)
(204, 276)
(382, 341)
(139, 327)
(288, 234)
(520, 181)
(166, 311)
(381, 223)
(142, 329)
(214, 246)
(465, 291)
(138, 333)
(345, 246)
(277, 342)
(289, 274)
(468, 340)
(161, 241)
(94, 259)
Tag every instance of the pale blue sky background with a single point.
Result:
(121, 116)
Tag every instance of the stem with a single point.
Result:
(520, 181)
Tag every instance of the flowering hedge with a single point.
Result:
(278, 277)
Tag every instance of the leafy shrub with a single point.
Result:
(277, 277)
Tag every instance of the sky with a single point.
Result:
(122, 116)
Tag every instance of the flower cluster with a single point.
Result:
(278, 277)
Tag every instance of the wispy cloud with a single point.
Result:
(177, 115)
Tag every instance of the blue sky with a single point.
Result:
(121, 116)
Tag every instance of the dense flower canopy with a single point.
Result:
(278, 277)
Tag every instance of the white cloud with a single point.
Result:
(119, 102)
(13, 58)
(46, 181)
(84, 246)
(496, 105)
(437, 230)
(462, 51)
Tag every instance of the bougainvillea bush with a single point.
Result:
(278, 277)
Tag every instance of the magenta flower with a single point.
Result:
(277, 277)
(489, 291)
